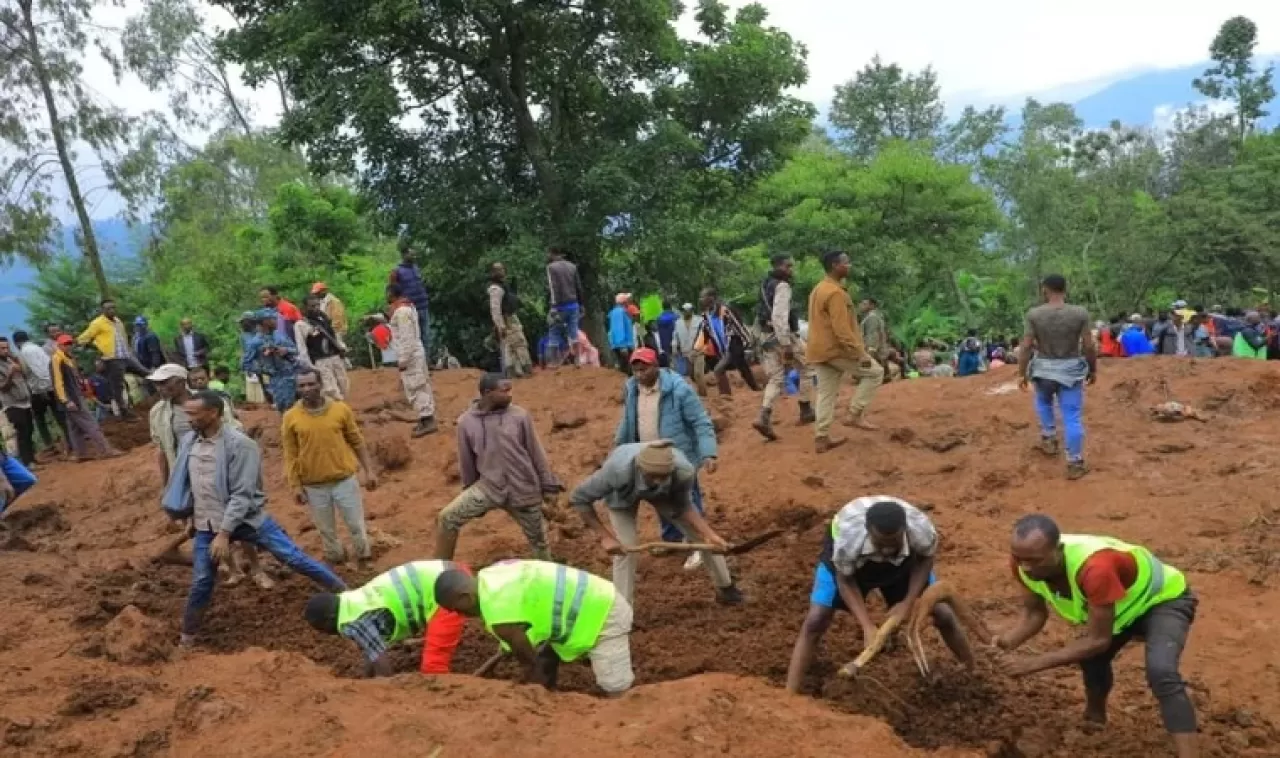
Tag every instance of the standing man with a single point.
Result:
(411, 359)
(192, 346)
(688, 362)
(1251, 340)
(319, 345)
(382, 613)
(875, 332)
(1117, 592)
(724, 342)
(875, 543)
(407, 278)
(503, 466)
(106, 333)
(168, 420)
(622, 331)
(15, 398)
(332, 307)
(1058, 354)
(82, 429)
(782, 347)
(657, 404)
(503, 304)
(51, 332)
(146, 345)
(657, 473)
(836, 350)
(218, 482)
(564, 288)
(276, 357)
(322, 448)
(546, 613)
(287, 313)
(38, 366)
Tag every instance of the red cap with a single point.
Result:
(318, 287)
(645, 355)
(66, 339)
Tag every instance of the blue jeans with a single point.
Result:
(1071, 401)
(19, 478)
(270, 537)
(672, 533)
(424, 330)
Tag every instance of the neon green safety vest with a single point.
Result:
(562, 605)
(408, 591)
(1156, 583)
(1240, 348)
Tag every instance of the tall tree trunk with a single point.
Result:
(90, 241)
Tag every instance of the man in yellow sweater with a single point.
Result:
(323, 448)
(107, 335)
(836, 349)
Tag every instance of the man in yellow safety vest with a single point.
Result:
(545, 613)
(1117, 591)
(393, 607)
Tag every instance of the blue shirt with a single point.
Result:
(622, 335)
(1135, 342)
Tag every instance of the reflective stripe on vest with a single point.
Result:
(412, 603)
(561, 630)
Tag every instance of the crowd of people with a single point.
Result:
(543, 612)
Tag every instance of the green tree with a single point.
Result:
(1234, 77)
(883, 102)
(507, 126)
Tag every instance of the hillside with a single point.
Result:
(81, 673)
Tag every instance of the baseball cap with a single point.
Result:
(65, 339)
(140, 321)
(687, 307)
(166, 372)
(318, 287)
(645, 355)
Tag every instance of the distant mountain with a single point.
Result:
(116, 239)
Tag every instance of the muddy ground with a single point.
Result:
(87, 665)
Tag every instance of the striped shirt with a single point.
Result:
(370, 632)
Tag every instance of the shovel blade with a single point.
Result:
(754, 542)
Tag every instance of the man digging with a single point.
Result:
(875, 543)
(1117, 592)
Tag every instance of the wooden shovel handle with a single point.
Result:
(850, 670)
(673, 547)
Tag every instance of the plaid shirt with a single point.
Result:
(371, 632)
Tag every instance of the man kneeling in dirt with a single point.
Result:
(217, 482)
(545, 613)
(1118, 592)
(394, 606)
(876, 543)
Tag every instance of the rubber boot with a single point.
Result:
(807, 415)
(764, 425)
(730, 595)
(426, 425)
(823, 444)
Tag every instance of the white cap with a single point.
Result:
(1179, 304)
(1135, 318)
(166, 372)
(687, 307)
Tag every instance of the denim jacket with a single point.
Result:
(681, 418)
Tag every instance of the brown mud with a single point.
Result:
(88, 665)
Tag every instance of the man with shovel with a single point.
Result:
(657, 473)
(875, 543)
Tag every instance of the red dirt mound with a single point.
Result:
(962, 448)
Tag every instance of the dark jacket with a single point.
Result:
(147, 347)
(201, 345)
(409, 279)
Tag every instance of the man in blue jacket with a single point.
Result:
(658, 404)
(408, 277)
(217, 483)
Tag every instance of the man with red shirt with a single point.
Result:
(1118, 592)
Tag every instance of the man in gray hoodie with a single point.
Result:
(217, 483)
(503, 466)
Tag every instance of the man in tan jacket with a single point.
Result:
(836, 349)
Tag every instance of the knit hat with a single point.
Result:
(657, 459)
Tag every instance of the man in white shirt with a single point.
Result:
(38, 368)
(875, 543)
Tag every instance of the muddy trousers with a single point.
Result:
(775, 371)
(473, 503)
(24, 429)
(415, 377)
(624, 566)
(333, 377)
(514, 349)
(830, 375)
(270, 537)
(611, 656)
(327, 501)
(83, 432)
(1071, 401)
(1165, 629)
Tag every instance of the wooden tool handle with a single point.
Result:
(673, 547)
(873, 648)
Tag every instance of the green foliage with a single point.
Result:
(885, 103)
(1233, 76)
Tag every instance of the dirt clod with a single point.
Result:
(133, 639)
